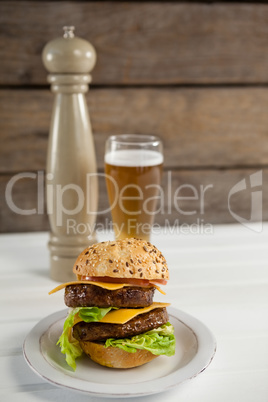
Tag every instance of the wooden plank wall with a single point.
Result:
(194, 73)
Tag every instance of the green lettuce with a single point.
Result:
(159, 341)
(72, 349)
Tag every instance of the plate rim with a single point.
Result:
(206, 349)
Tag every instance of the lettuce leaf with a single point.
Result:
(159, 341)
(69, 345)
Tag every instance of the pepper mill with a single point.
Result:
(71, 180)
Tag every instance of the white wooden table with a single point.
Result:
(221, 279)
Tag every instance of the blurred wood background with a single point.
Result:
(194, 73)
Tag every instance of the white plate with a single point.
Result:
(195, 348)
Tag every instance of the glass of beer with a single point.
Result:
(133, 168)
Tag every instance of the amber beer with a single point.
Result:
(133, 179)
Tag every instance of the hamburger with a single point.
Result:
(113, 318)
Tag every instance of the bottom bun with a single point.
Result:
(115, 357)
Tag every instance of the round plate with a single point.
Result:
(195, 348)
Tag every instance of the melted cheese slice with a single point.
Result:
(123, 315)
(105, 285)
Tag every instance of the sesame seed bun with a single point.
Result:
(127, 258)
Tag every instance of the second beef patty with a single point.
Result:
(97, 331)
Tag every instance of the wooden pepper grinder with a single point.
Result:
(71, 181)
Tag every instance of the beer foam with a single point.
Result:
(134, 157)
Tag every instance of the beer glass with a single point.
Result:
(133, 168)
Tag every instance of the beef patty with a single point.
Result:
(83, 295)
(97, 331)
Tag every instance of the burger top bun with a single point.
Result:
(127, 258)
